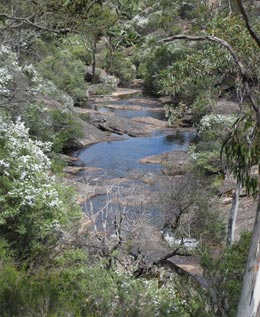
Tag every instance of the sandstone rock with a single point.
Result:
(77, 169)
(226, 107)
(151, 121)
(124, 92)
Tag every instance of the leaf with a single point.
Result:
(66, 2)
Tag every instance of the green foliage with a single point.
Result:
(72, 285)
(11, 283)
(203, 104)
(232, 29)
(213, 130)
(32, 213)
(77, 47)
(122, 67)
(153, 62)
(65, 130)
(200, 67)
(66, 71)
(225, 276)
(52, 125)
(35, 117)
(242, 152)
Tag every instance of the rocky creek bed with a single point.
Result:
(127, 153)
(126, 146)
(122, 165)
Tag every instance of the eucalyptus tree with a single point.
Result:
(242, 148)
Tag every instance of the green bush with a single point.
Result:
(65, 130)
(66, 71)
(72, 286)
(121, 66)
(225, 275)
(213, 129)
(76, 46)
(52, 125)
(203, 104)
(153, 62)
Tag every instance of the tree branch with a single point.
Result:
(28, 21)
(236, 59)
(247, 22)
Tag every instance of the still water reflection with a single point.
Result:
(124, 155)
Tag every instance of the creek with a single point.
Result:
(120, 188)
(119, 158)
(119, 161)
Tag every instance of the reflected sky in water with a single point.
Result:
(124, 155)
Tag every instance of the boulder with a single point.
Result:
(101, 77)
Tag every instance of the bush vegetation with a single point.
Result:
(46, 269)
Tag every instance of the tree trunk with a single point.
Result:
(94, 51)
(233, 216)
(249, 303)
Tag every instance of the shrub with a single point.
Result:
(121, 66)
(66, 71)
(65, 129)
(225, 275)
(213, 130)
(32, 213)
(52, 125)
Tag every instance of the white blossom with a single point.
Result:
(27, 158)
(208, 121)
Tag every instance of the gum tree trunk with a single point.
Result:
(233, 216)
(249, 304)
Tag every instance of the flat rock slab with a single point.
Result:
(112, 123)
(152, 121)
(124, 92)
(146, 102)
(69, 159)
(85, 191)
(190, 265)
(173, 163)
(132, 107)
(94, 135)
(76, 169)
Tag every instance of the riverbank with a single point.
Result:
(130, 157)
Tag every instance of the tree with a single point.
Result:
(245, 155)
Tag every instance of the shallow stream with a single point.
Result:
(120, 167)
(120, 157)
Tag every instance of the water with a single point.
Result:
(148, 108)
(118, 158)
(135, 113)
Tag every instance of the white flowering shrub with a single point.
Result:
(210, 121)
(8, 66)
(30, 207)
(213, 129)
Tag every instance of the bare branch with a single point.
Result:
(28, 21)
